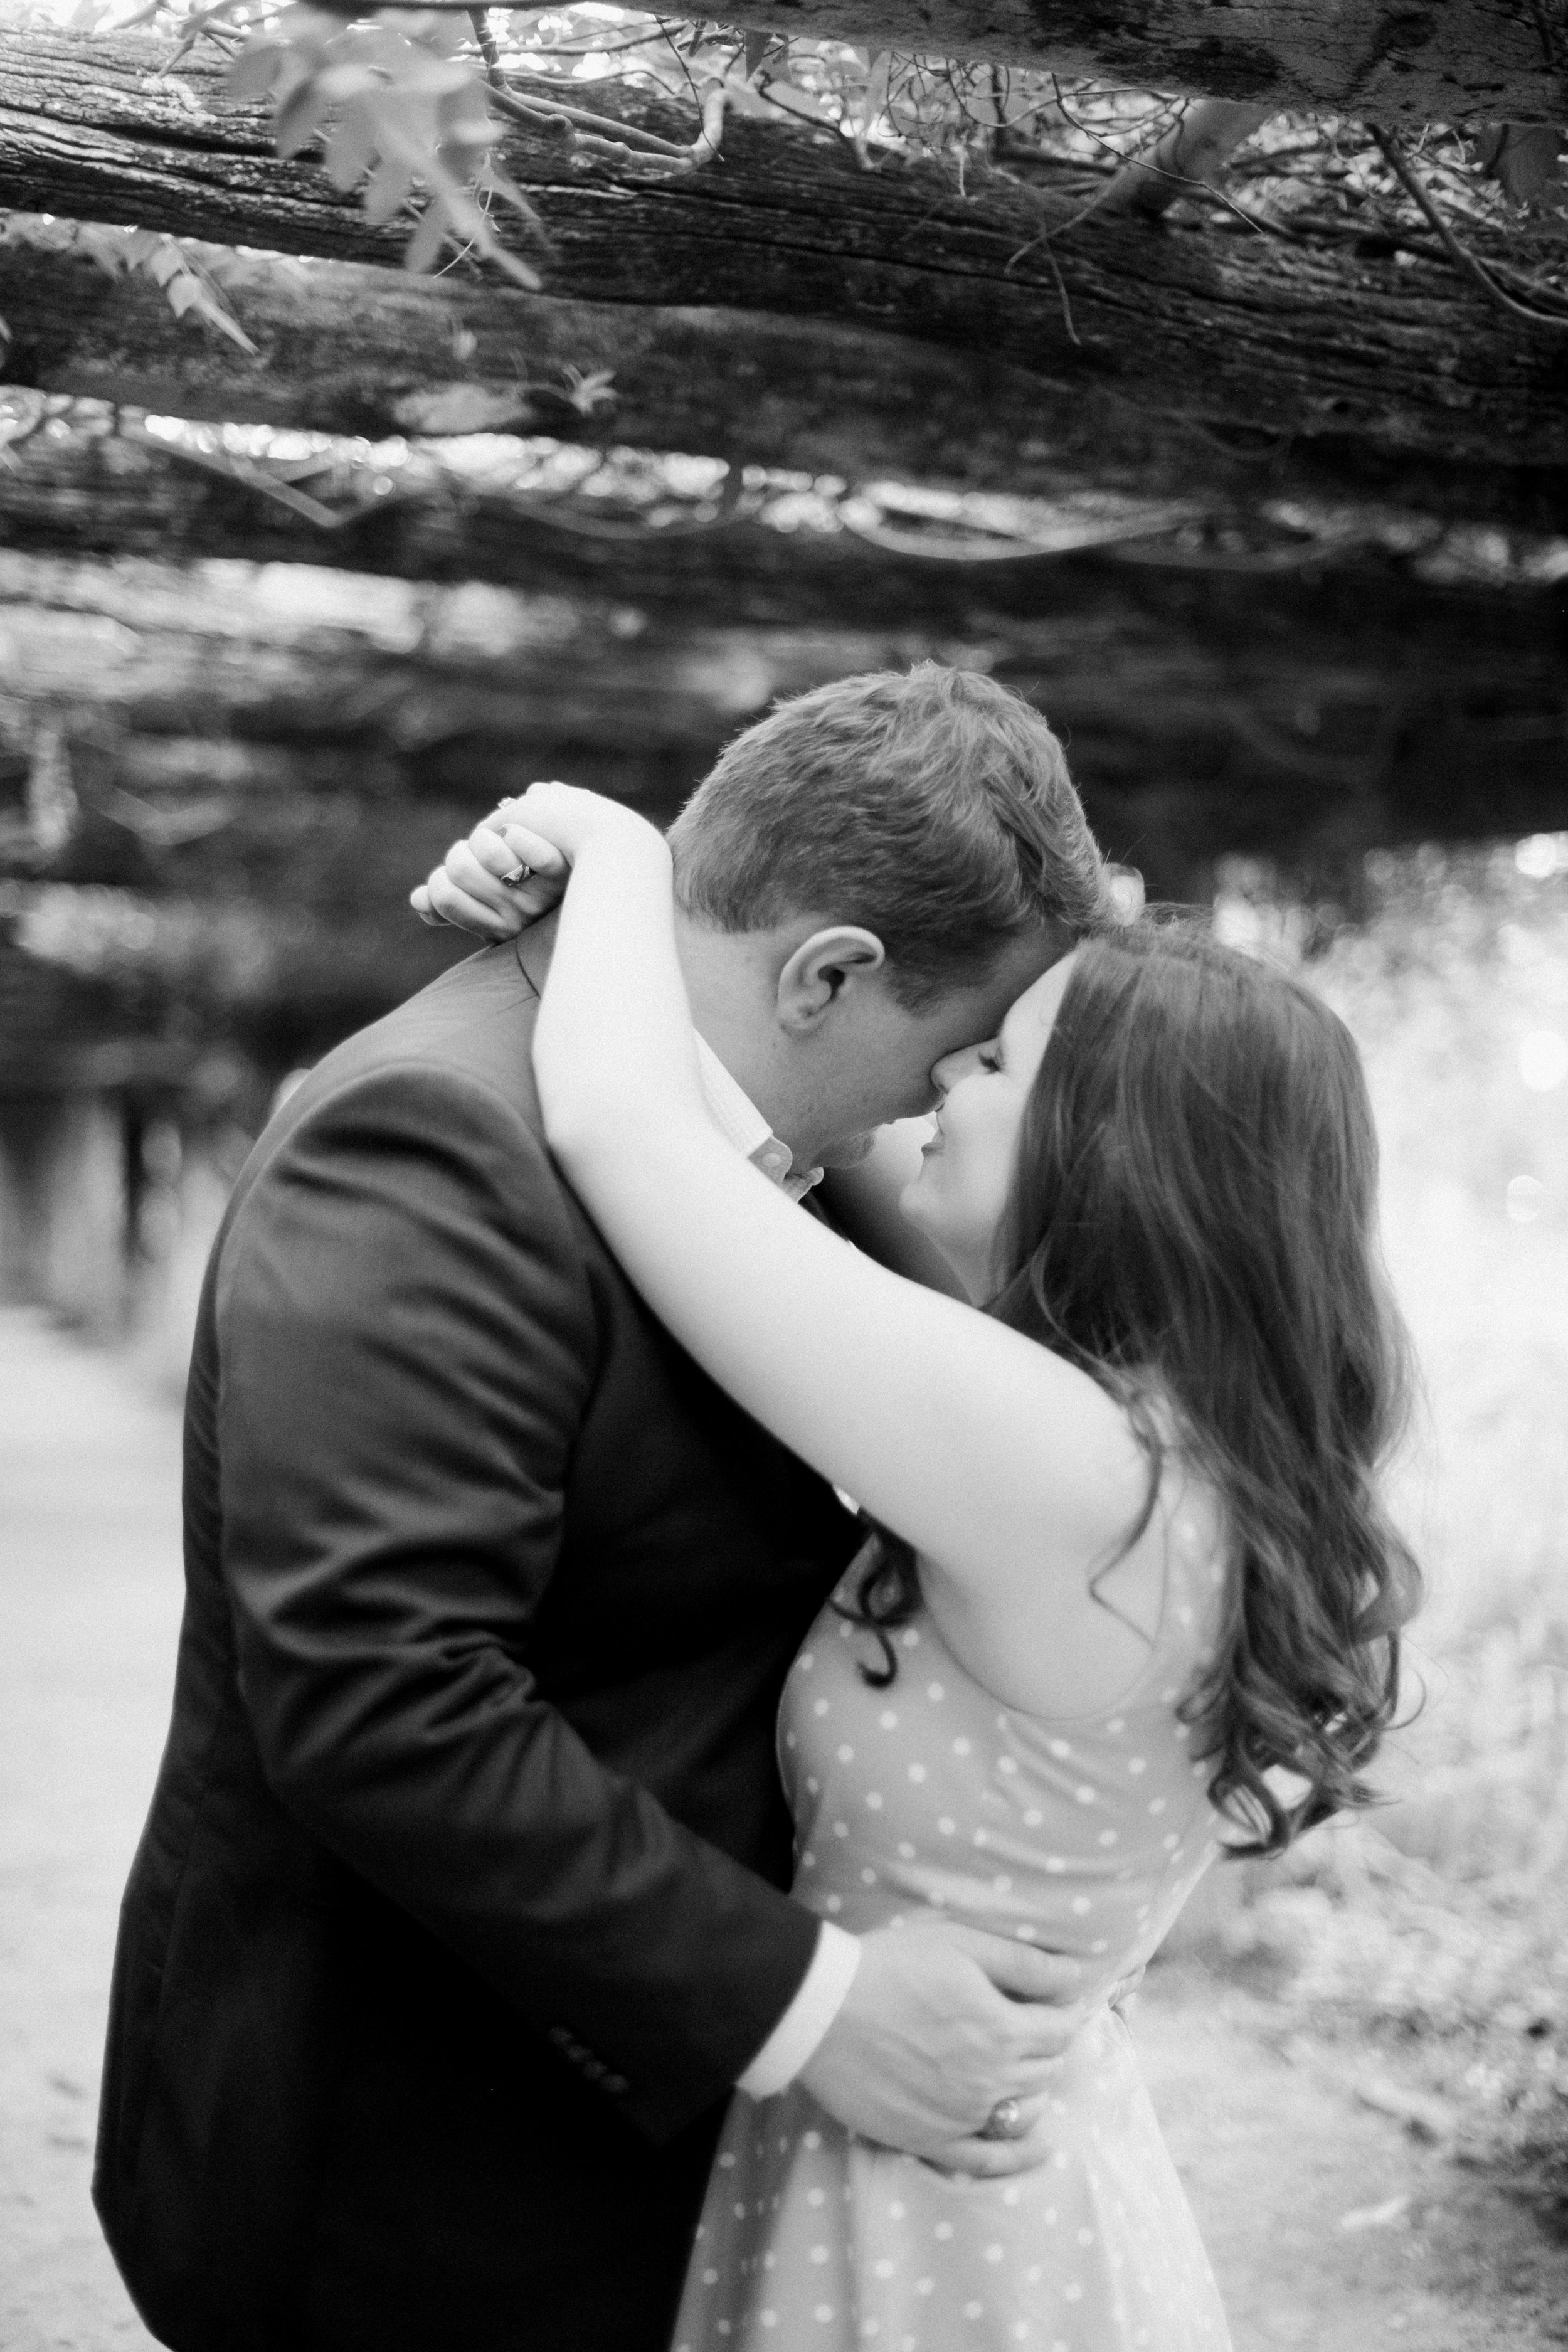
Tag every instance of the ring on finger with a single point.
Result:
(1005, 2121)
(519, 875)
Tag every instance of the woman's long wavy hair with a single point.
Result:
(1193, 1224)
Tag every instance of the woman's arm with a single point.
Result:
(1002, 1464)
(503, 878)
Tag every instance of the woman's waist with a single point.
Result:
(1112, 1944)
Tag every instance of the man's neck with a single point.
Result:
(730, 978)
(727, 976)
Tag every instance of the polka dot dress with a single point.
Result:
(1084, 1836)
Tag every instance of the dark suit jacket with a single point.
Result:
(458, 1910)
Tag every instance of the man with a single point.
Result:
(460, 1910)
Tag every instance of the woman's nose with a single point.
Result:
(946, 1073)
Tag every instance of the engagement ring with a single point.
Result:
(517, 877)
(1005, 2121)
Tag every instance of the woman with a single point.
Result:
(1134, 1600)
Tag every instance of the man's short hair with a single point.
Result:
(931, 806)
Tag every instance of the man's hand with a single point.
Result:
(940, 2023)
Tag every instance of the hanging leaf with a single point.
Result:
(350, 147)
(299, 117)
(106, 246)
(207, 306)
(756, 49)
(390, 185)
(423, 250)
(255, 69)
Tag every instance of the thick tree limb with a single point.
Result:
(1313, 354)
(348, 349)
(1375, 57)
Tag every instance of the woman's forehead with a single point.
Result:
(1031, 1014)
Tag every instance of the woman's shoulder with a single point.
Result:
(1065, 1641)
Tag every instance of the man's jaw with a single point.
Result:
(848, 1150)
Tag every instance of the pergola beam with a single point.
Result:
(1305, 357)
(1379, 57)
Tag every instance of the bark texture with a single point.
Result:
(311, 734)
(345, 348)
(1327, 361)
(1385, 57)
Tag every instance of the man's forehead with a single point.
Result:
(974, 1009)
(1018, 963)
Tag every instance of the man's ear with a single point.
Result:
(817, 976)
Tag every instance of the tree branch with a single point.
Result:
(1544, 321)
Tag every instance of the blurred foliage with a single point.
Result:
(1438, 1929)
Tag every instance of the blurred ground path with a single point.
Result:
(89, 1577)
(1273, 2154)
(1278, 2156)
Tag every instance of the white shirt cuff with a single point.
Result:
(799, 2032)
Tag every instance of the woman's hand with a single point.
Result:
(503, 878)
(567, 817)
(512, 868)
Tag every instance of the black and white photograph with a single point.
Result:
(783, 1176)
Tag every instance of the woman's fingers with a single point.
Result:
(501, 879)
(478, 866)
(445, 902)
(535, 879)
(527, 848)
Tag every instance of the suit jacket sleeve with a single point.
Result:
(407, 1339)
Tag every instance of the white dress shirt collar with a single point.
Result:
(740, 1122)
